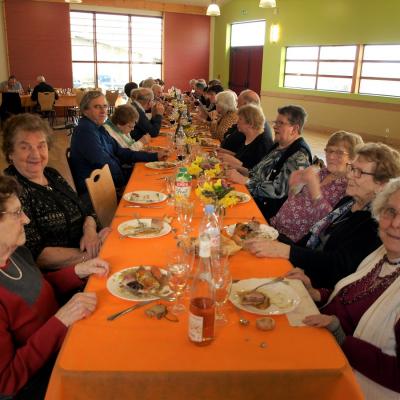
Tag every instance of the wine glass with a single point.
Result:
(170, 189)
(178, 271)
(222, 283)
(185, 210)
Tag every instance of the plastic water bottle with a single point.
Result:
(210, 226)
(183, 184)
(202, 298)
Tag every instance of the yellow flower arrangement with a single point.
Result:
(217, 193)
(210, 167)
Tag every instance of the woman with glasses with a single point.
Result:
(120, 125)
(226, 106)
(314, 192)
(32, 323)
(338, 242)
(61, 232)
(363, 309)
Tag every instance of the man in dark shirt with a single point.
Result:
(42, 87)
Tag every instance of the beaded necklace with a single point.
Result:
(14, 278)
(369, 283)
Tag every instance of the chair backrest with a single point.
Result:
(112, 96)
(46, 100)
(79, 94)
(102, 193)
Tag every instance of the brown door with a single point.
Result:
(245, 68)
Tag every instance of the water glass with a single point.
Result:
(185, 210)
(170, 189)
(222, 282)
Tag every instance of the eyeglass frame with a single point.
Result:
(16, 214)
(337, 153)
(281, 123)
(359, 173)
(389, 213)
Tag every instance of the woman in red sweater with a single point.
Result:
(32, 324)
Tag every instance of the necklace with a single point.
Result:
(391, 262)
(14, 278)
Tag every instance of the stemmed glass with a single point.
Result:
(170, 189)
(222, 282)
(178, 272)
(184, 210)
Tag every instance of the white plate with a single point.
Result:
(283, 297)
(266, 231)
(145, 197)
(123, 228)
(160, 165)
(116, 288)
(243, 197)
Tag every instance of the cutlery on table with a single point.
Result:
(129, 309)
(140, 206)
(275, 280)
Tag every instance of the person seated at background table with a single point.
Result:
(213, 82)
(320, 189)
(268, 181)
(92, 147)
(42, 87)
(234, 139)
(61, 232)
(338, 242)
(251, 122)
(11, 85)
(362, 311)
(200, 92)
(227, 114)
(120, 125)
(157, 91)
(143, 99)
(129, 87)
(147, 83)
(209, 112)
(32, 323)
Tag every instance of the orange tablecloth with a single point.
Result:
(136, 357)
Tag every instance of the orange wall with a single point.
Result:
(39, 42)
(186, 48)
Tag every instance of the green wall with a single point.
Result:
(309, 22)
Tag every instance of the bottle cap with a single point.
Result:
(209, 209)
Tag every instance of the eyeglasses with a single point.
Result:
(280, 123)
(100, 106)
(337, 153)
(389, 213)
(357, 172)
(15, 214)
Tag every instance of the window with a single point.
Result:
(248, 34)
(320, 67)
(109, 50)
(380, 70)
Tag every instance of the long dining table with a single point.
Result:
(137, 357)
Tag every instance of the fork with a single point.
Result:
(275, 280)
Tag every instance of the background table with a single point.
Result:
(136, 357)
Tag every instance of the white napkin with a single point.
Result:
(306, 306)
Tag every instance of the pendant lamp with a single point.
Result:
(213, 10)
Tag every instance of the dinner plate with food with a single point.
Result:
(139, 283)
(144, 228)
(243, 197)
(154, 149)
(160, 165)
(145, 197)
(273, 299)
(248, 230)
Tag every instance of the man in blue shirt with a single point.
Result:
(92, 147)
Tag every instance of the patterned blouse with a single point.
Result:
(55, 211)
(123, 140)
(299, 212)
(220, 127)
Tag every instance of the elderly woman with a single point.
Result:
(226, 103)
(120, 125)
(363, 309)
(92, 147)
(61, 232)
(257, 144)
(312, 192)
(338, 242)
(32, 324)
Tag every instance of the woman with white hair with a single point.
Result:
(363, 310)
(226, 106)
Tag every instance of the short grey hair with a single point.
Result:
(40, 78)
(382, 197)
(142, 95)
(148, 83)
(226, 100)
(250, 97)
(88, 97)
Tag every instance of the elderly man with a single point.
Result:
(268, 181)
(42, 87)
(142, 100)
(234, 139)
(11, 85)
(157, 91)
(92, 147)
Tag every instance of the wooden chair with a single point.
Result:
(75, 112)
(111, 96)
(46, 104)
(102, 193)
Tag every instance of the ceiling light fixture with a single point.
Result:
(267, 3)
(213, 10)
(73, 1)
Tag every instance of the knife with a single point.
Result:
(129, 309)
(137, 206)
